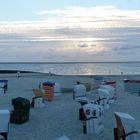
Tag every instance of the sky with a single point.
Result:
(69, 31)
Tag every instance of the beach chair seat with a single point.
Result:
(38, 93)
(126, 127)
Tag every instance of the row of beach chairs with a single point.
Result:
(92, 111)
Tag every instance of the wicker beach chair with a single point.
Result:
(21, 110)
(38, 92)
(120, 132)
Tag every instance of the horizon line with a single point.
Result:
(72, 62)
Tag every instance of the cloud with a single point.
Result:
(69, 34)
(127, 47)
(104, 16)
(76, 10)
(83, 45)
(76, 17)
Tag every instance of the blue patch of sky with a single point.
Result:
(25, 9)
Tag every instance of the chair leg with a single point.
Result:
(116, 137)
(81, 114)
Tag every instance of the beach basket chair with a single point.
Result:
(38, 92)
(120, 131)
(79, 91)
(21, 111)
(4, 123)
(48, 88)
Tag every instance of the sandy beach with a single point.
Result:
(60, 117)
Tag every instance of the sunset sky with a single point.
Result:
(67, 31)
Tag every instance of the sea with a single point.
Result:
(76, 68)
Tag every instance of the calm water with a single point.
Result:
(76, 68)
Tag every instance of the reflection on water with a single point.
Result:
(77, 68)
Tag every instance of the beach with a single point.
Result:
(60, 116)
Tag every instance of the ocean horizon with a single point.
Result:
(65, 62)
(75, 68)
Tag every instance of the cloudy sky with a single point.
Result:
(75, 30)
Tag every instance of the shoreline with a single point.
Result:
(15, 71)
(90, 75)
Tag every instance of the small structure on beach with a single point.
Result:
(112, 92)
(21, 111)
(49, 90)
(111, 83)
(4, 123)
(98, 81)
(79, 90)
(4, 85)
(57, 89)
(37, 102)
(94, 119)
(104, 97)
(132, 86)
(125, 127)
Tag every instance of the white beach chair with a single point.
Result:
(79, 90)
(37, 102)
(104, 97)
(4, 123)
(126, 127)
(93, 124)
(57, 89)
(112, 91)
